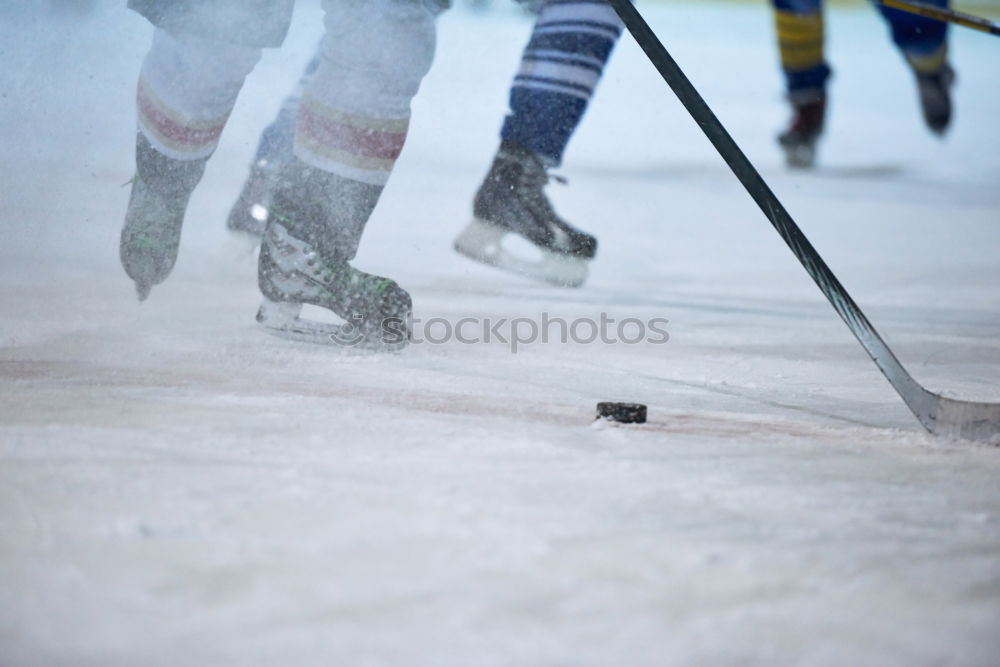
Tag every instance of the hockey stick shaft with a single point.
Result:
(919, 400)
(946, 15)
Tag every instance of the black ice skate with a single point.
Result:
(511, 201)
(151, 236)
(248, 217)
(935, 97)
(312, 232)
(799, 140)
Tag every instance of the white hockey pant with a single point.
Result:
(354, 112)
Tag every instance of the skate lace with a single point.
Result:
(535, 177)
(533, 180)
(343, 276)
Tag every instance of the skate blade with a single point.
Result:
(483, 243)
(282, 319)
(800, 156)
(142, 290)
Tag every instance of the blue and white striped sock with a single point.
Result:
(560, 67)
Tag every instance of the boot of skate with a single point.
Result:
(161, 189)
(806, 126)
(934, 90)
(314, 227)
(512, 200)
(248, 215)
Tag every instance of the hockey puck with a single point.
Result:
(624, 413)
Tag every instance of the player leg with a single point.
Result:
(560, 67)
(351, 126)
(248, 215)
(186, 91)
(924, 44)
(800, 30)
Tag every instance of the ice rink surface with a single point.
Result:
(179, 488)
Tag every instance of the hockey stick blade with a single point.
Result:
(942, 416)
(965, 419)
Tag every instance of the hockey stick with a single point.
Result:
(939, 415)
(946, 15)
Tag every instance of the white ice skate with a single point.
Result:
(374, 311)
(511, 202)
